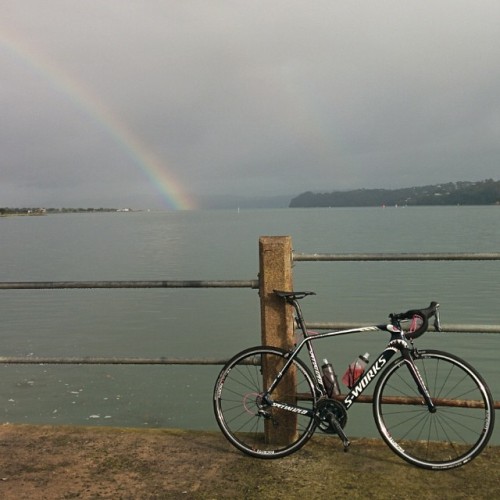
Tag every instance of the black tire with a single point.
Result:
(250, 424)
(450, 437)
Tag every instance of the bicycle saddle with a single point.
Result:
(292, 295)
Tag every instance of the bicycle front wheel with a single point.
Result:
(248, 420)
(454, 434)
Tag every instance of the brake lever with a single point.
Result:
(437, 322)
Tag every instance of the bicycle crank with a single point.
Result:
(331, 418)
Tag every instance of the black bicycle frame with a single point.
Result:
(397, 344)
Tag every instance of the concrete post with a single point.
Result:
(275, 257)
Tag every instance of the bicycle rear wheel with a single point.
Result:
(248, 422)
(458, 430)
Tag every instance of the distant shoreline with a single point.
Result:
(37, 212)
(485, 193)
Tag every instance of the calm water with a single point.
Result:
(217, 323)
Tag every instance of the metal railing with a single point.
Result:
(90, 360)
(251, 284)
(343, 257)
(400, 257)
(446, 328)
(39, 285)
(55, 285)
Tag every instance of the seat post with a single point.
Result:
(299, 316)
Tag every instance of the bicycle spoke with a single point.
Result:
(451, 435)
(251, 424)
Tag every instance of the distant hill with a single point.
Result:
(485, 192)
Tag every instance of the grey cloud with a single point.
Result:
(249, 97)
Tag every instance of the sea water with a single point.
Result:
(216, 323)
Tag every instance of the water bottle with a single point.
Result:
(355, 370)
(330, 379)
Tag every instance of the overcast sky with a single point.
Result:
(103, 102)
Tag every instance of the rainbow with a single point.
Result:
(151, 165)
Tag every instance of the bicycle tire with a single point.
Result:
(253, 427)
(448, 438)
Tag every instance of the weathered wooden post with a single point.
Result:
(275, 258)
(277, 325)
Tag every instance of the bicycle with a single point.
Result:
(432, 408)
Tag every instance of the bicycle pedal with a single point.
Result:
(346, 444)
(345, 441)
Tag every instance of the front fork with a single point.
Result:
(422, 388)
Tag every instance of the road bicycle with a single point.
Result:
(432, 408)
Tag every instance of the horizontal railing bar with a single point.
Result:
(396, 400)
(448, 328)
(35, 360)
(31, 360)
(35, 285)
(399, 400)
(312, 257)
